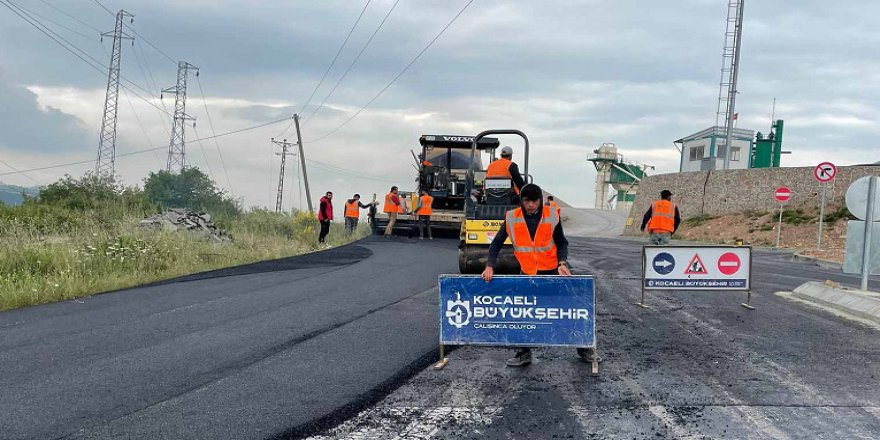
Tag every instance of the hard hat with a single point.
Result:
(507, 151)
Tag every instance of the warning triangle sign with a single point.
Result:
(696, 267)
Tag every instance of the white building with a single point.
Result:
(705, 150)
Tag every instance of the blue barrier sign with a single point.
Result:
(518, 311)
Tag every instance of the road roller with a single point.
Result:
(485, 209)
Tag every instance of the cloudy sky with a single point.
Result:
(571, 74)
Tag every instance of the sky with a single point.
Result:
(570, 74)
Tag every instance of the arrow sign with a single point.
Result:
(783, 193)
(825, 172)
(663, 263)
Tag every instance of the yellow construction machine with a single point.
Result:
(485, 208)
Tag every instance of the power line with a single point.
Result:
(71, 16)
(103, 7)
(332, 63)
(90, 38)
(68, 46)
(216, 143)
(17, 171)
(204, 154)
(353, 62)
(147, 150)
(416, 58)
(139, 35)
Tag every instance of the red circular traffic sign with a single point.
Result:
(729, 263)
(825, 172)
(783, 193)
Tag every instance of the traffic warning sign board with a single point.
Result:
(728, 268)
(783, 193)
(825, 172)
(729, 263)
(696, 266)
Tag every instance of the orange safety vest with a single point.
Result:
(553, 204)
(499, 168)
(662, 217)
(425, 209)
(390, 206)
(538, 254)
(352, 210)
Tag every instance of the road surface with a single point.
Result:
(335, 344)
(695, 366)
(255, 352)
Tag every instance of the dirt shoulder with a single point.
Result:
(800, 229)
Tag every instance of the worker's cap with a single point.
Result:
(506, 151)
(531, 192)
(665, 193)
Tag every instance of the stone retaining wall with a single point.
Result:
(729, 191)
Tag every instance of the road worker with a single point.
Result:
(551, 202)
(505, 167)
(325, 215)
(661, 219)
(540, 246)
(423, 210)
(391, 207)
(353, 208)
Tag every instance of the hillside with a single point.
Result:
(12, 195)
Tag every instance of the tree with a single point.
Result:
(190, 188)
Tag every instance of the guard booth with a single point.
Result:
(517, 311)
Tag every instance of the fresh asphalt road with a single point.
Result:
(696, 365)
(285, 349)
(260, 351)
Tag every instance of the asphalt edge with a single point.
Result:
(828, 264)
(361, 402)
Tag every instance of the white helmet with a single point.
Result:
(507, 151)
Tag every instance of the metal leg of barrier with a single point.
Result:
(443, 359)
(641, 303)
(594, 368)
(748, 303)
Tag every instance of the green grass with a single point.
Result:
(697, 220)
(53, 253)
(796, 217)
(842, 213)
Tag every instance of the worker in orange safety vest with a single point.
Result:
(423, 210)
(505, 167)
(540, 247)
(662, 219)
(353, 208)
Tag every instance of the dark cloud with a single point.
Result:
(24, 126)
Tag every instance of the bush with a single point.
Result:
(190, 188)
(842, 213)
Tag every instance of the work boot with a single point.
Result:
(587, 354)
(522, 358)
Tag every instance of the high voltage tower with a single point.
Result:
(177, 146)
(730, 72)
(285, 146)
(107, 141)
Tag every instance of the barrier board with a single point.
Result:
(518, 311)
(697, 268)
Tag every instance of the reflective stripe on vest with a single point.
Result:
(538, 253)
(352, 210)
(662, 217)
(425, 209)
(389, 205)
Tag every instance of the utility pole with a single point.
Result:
(737, 21)
(177, 146)
(106, 162)
(302, 161)
(284, 153)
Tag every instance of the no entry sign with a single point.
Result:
(729, 263)
(783, 193)
(825, 172)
